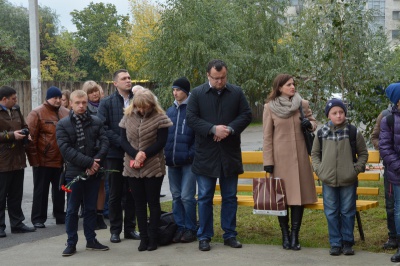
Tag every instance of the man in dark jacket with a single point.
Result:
(12, 162)
(218, 112)
(83, 144)
(179, 154)
(45, 158)
(110, 112)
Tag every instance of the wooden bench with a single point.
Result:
(255, 158)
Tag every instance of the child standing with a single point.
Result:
(337, 167)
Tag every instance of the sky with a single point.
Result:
(63, 8)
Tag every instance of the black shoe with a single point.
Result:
(2, 233)
(391, 243)
(178, 236)
(347, 249)
(132, 235)
(189, 236)
(232, 242)
(22, 229)
(69, 251)
(204, 245)
(39, 225)
(100, 222)
(144, 243)
(95, 245)
(335, 251)
(115, 238)
(152, 244)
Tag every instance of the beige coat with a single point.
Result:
(284, 147)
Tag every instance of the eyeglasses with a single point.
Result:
(217, 79)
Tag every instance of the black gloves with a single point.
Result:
(305, 123)
(269, 168)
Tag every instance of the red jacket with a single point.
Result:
(43, 149)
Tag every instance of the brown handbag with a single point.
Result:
(269, 196)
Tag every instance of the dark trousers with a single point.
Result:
(120, 199)
(147, 191)
(42, 178)
(11, 191)
(389, 202)
(85, 191)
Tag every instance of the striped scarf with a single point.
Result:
(80, 135)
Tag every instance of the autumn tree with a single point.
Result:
(126, 49)
(94, 25)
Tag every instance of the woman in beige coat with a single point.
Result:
(285, 153)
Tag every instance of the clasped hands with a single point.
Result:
(139, 160)
(221, 132)
(94, 168)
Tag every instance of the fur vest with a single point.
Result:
(141, 133)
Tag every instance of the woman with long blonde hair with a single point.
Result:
(144, 132)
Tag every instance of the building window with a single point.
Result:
(395, 34)
(396, 15)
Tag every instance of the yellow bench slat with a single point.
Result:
(366, 191)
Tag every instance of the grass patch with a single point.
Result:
(264, 229)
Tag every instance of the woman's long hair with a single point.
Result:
(143, 99)
(278, 82)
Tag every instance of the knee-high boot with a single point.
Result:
(396, 257)
(284, 224)
(297, 216)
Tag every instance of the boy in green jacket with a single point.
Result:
(337, 166)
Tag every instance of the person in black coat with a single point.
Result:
(218, 112)
(83, 144)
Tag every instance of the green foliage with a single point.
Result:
(335, 50)
(191, 33)
(94, 24)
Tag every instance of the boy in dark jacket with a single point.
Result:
(179, 154)
(335, 166)
(83, 144)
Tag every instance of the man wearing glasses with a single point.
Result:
(218, 112)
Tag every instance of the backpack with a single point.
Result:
(352, 137)
(167, 228)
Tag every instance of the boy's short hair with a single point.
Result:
(332, 103)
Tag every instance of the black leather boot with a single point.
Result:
(284, 224)
(152, 244)
(297, 216)
(396, 257)
(144, 243)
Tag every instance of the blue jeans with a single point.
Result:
(396, 192)
(389, 203)
(340, 211)
(86, 191)
(206, 187)
(182, 183)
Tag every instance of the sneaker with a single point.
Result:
(188, 236)
(95, 245)
(335, 251)
(391, 243)
(348, 249)
(177, 237)
(69, 251)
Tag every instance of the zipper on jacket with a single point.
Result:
(175, 135)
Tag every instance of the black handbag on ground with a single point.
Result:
(308, 135)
